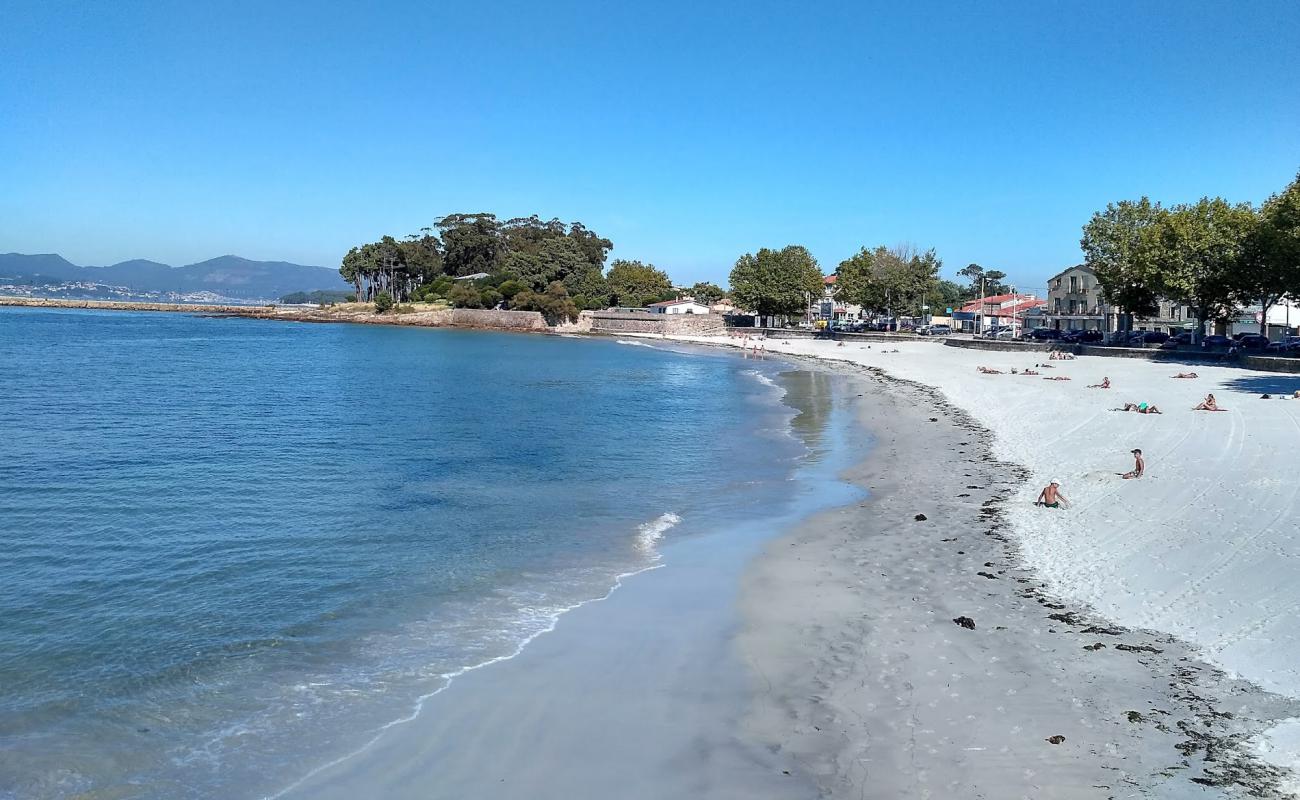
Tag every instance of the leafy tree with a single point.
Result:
(463, 295)
(950, 294)
(471, 243)
(1114, 246)
(989, 282)
(776, 282)
(1194, 253)
(1271, 268)
(593, 246)
(707, 293)
(383, 302)
(554, 304)
(634, 284)
(889, 279)
(510, 288)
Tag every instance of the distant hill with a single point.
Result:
(228, 276)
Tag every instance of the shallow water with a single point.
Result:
(235, 547)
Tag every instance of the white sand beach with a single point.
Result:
(1205, 546)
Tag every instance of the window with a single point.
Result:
(1057, 306)
(1074, 283)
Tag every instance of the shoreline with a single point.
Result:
(875, 690)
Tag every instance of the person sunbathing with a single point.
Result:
(1209, 404)
(1058, 378)
(1141, 408)
(987, 371)
(1031, 372)
(1054, 356)
(1187, 375)
(1105, 384)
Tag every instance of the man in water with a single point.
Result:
(1139, 466)
(1051, 496)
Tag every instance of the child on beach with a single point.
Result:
(1051, 496)
(1139, 466)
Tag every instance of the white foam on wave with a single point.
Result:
(765, 380)
(635, 343)
(649, 533)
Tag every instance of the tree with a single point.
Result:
(383, 302)
(634, 284)
(1194, 253)
(463, 295)
(1114, 243)
(950, 294)
(982, 281)
(707, 293)
(554, 304)
(889, 279)
(1271, 267)
(776, 282)
(471, 243)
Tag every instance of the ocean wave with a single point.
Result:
(635, 343)
(649, 533)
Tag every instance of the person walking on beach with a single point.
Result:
(1051, 496)
(1139, 466)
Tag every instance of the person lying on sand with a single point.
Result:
(1105, 384)
(1030, 372)
(987, 371)
(1141, 408)
(1051, 496)
(1209, 404)
(1058, 378)
(1187, 375)
(1139, 466)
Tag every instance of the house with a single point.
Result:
(678, 307)
(1075, 301)
(827, 306)
(999, 311)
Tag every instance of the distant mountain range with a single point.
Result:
(225, 276)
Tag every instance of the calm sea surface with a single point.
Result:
(230, 549)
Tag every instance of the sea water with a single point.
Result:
(233, 549)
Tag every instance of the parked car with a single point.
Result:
(1080, 336)
(934, 330)
(1252, 341)
(1044, 334)
(1215, 340)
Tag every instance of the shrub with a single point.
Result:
(383, 302)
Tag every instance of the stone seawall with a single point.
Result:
(497, 320)
(615, 322)
(1005, 346)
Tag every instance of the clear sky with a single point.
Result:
(687, 132)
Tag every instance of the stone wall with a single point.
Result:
(1005, 345)
(498, 320)
(668, 324)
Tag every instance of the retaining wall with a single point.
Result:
(668, 324)
(499, 320)
(1006, 345)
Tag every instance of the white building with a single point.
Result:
(678, 307)
(828, 307)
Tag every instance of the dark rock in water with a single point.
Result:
(1103, 630)
(1068, 617)
(987, 575)
(1134, 716)
(934, 419)
(965, 622)
(1057, 739)
(920, 518)
(1094, 646)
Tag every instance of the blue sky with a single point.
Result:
(688, 133)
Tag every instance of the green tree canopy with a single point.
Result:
(1195, 253)
(554, 303)
(894, 279)
(634, 284)
(776, 282)
(707, 293)
(1271, 268)
(471, 243)
(1114, 243)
